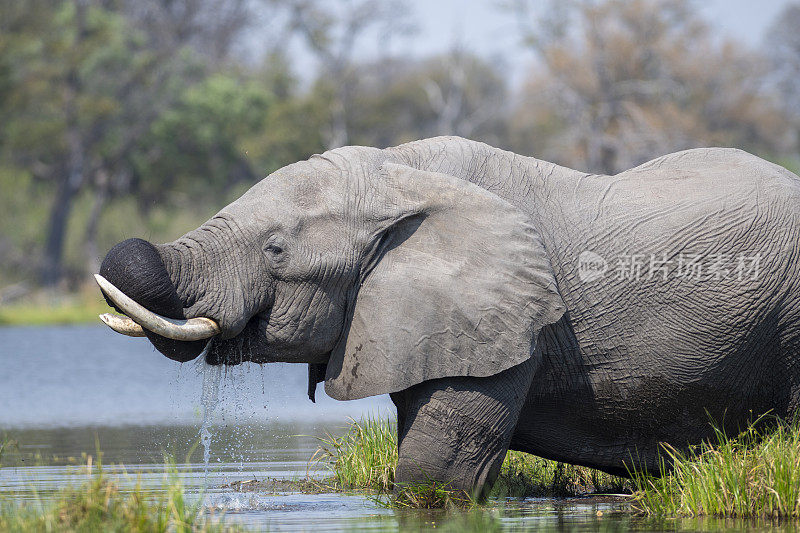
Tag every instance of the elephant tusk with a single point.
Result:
(193, 329)
(122, 324)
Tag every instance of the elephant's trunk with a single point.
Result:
(137, 269)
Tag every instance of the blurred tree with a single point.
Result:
(464, 92)
(185, 102)
(331, 31)
(211, 29)
(453, 94)
(70, 67)
(619, 82)
(294, 127)
(201, 136)
(83, 87)
(783, 46)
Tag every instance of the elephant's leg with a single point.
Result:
(457, 430)
(398, 398)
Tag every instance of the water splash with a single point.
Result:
(238, 411)
(212, 375)
(238, 502)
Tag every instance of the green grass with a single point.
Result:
(525, 475)
(99, 504)
(755, 475)
(366, 457)
(7, 443)
(44, 308)
(430, 494)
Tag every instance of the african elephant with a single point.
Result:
(502, 301)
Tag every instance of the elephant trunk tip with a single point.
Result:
(137, 269)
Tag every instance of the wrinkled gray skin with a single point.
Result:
(446, 272)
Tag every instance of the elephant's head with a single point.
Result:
(389, 274)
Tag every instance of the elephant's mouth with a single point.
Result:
(249, 345)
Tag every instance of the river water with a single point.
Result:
(67, 392)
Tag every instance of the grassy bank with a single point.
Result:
(755, 475)
(48, 308)
(98, 504)
(366, 457)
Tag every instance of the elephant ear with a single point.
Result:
(459, 285)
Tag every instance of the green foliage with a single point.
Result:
(431, 494)
(110, 115)
(755, 475)
(23, 216)
(365, 456)
(523, 475)
(82, 86)
(57, 62)
(23, 210)
(197, 145)
(292, 132)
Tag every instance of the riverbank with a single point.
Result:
(44, 308)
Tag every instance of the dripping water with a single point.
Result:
(209, 399)
(230, 405)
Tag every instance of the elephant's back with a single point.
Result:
(652, 224)
(699, 182)
(709, 173)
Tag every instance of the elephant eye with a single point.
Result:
(273, 248)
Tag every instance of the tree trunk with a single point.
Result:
(339, 136)
(90, 239)
(69, 182)
(68, 185)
